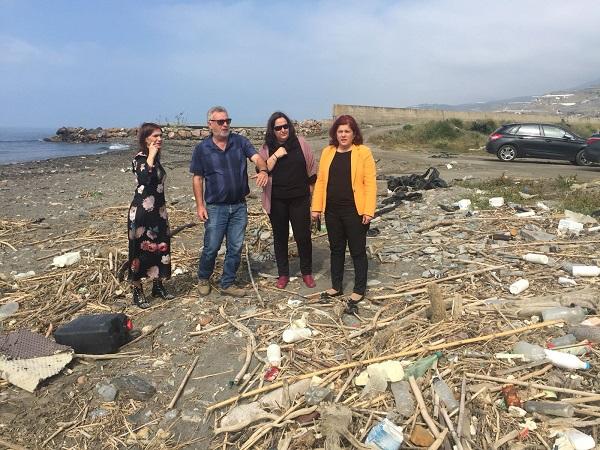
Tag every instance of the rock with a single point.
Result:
(169, 417)
(205, 319)
(134, 387)
(98, 413)
(531, 233)
(264, 235)
(106, 391)
(82, 380)
(140, 417)
(193, 416)
(421, 436)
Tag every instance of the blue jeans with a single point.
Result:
(223, 221)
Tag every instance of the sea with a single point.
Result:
(21, 144)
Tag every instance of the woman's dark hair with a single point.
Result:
(270, 138)
(146, 129)
(345, 120)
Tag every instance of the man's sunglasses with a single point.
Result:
(221, 122)
(281, 127)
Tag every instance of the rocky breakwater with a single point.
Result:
(171, 132)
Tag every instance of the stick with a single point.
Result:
(252, 278)
(142, 336)
(451, 428)
(223, 325)
(438, 442)
(438, 308)
(183, 383)
(461, 409)
(423, 408)
(383, 358)
(105, 357)
(250, 347)
(526, 384)
(509, 437)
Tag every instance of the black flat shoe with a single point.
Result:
(352, 305)
(326, 295)
(158, 290)
(139, 299)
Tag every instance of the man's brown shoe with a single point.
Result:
(233, 291)
(203, 287)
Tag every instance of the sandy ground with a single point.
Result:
(66, 194)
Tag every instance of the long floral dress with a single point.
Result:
(148, 223)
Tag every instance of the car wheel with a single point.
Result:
(581, 160)
(506, 153)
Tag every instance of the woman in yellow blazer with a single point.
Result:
(346, 192)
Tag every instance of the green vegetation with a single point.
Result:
(559, 191)
(451, 135)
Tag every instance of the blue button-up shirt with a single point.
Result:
(225, 172)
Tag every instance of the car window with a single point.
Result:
(553, 132)
(511, 130)
(528, 130)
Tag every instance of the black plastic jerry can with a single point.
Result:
(95, 333)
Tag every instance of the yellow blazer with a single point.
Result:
(364, 185)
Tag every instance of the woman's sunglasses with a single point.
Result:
(281, 127)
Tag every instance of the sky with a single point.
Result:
(122, 62)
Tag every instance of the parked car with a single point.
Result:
(535, 140)
(592, 152)
(593, 138)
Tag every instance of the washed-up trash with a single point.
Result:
(501, 237)
(445, 394)
(274, 355)
(568, 226)
(549, 408)
(572, 439)
(243, 415)
(572, 315)
(532, 232)
(431, 273)
(511, 397)
(578, 217)
(518, 286)
(585, 271)
(530, 352)
(542, 206)
(384, 372)
(463, 204)
(22, 275)
(68, 259)
(535, 258)
(590, 333)
(385, 435)
(525, 214)
(291, 335)
(567, 339)
(405, 402)
(566, 360)
(278, 397)
(271, 373)
(496, 202)
(26, 358)
(421, 366)
(316, 394)
(565, 281)
(95, 333)
(429, 180)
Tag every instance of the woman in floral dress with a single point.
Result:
(148, 224)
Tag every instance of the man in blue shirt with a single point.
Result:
(220, 182)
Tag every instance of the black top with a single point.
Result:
(339, 185)
(289, 176)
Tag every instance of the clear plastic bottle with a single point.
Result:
(550, 408)
(571, 315)
(592, 334)
(565, 360)
(530, 352)
(567, 339)
(583, 348)
(405, 403)
(445, 394)
(274, 355)
(421, 366)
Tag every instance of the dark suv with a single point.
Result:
(534, 140)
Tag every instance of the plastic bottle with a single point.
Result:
(445, 394)
(518, 286)
(583, 348)
(565, 360)
(585, 271)
(567, 339)
(385, 435)
(296, 334)
(592, 334)
(550, 408)
(419, 367)
(274, 355)
(530, 352)
(535, 258)
(571, 315)
(405, 403)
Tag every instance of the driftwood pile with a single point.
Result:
(445, 289)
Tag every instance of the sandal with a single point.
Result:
(139, 299)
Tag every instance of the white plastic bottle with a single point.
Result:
(585, 271)
(565, 360)
(518, 286)
(536, 258)
(296, 334)
(274, 355)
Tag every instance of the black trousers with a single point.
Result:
(345, 227)
(297, 212)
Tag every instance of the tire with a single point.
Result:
(580, 159)
(506, 153)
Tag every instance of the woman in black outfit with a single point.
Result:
(286, 197)
(147, 223)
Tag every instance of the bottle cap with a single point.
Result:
(587, 366)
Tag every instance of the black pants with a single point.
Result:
(297, 211)
(345, 227)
